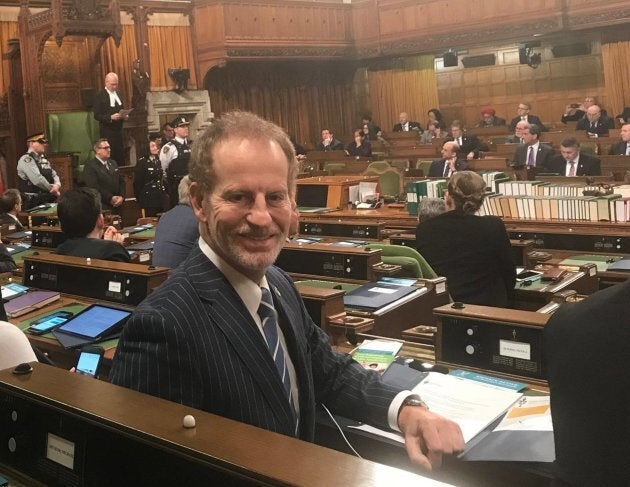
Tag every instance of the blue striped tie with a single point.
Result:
(269, 319)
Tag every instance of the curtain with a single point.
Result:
(170, 47)
(402, 85)
(120, 61)
(8, 30)
(301, 97)
(615, 56)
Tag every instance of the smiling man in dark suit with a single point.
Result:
(101, 174)
(532, 155)
(107, 105)
(572, 162)
(228, 332)
(406, 125)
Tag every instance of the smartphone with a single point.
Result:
(49, 322)
(90, 360)
(575, 105)
(528, 276)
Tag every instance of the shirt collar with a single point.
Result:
(247, 290)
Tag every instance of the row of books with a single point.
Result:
(611, 207)
(423, 188)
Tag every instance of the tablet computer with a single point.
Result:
(91, 325)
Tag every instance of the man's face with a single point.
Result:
(625, 133)
(528, 137)
(569, 153)
(593, 113)
(103, 151)
(456, 131)
(402, 118)
(588, 102)
(326, 135)
(488, 119)
(181, 131)
(168, 132)
(38, 147)
(111, 83)
(519, 129)
(447, 151)
(522, 109)
(247, 215)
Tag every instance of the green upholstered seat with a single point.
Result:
(413, 264)
(74, 132)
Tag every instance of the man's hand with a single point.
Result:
(54, 189)
(116, 201)
(428, 436)
(112, 234)
(470, 156)
(116, 116)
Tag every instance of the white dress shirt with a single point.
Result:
(113, 98)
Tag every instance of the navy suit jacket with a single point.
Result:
(587, 165)
(193, 341)
(437, 167)
(177, 232)
(530, 119)
(618, 148)
(543, 156)
(601, 126)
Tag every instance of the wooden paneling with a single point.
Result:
(556, 82)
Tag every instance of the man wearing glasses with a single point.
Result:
(524, 115)
(37, 180)
(101, 173)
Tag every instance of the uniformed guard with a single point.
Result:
(148, 181)
(174, 157)
(37, 180)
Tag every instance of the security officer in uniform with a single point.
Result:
(37, 180)
(175, 156)
(148, 181)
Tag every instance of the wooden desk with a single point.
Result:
(392, 217)
(124, 429)
(47, 216)
(334, 188)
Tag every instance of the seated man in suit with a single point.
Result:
(489, 118)
(532, 154)
(524, 115)
(450, 163)
(622, 147)
(177, 231)
(517, 136)
(328, 142)
(228, 332)
(595, 124)
(572, 162)
(10, 206)
(575, 112)
(624, 117)
(80, 217)
(587, 349)
(469, 145)
(405, 125)
(101, 174)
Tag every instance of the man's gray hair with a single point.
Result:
(430, 207)
(183, 190)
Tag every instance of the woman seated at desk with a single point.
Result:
(360, 147)
(472, 252)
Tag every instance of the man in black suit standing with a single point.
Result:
(622, 147)
(523, 114)
(587, 350)
(101, 174)
(228, 332)
(532, 154)
(450, 162)
(572, 162)
(107, 106)
(469, 145)
(595, 124)
(405, 125)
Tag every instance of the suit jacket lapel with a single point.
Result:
(226, 311)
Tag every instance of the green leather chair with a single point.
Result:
(74, 132)
(412, 263)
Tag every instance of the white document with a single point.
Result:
(353, 193)
(367, 190)
(530, 413)
(125, 112)
(472, 405)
